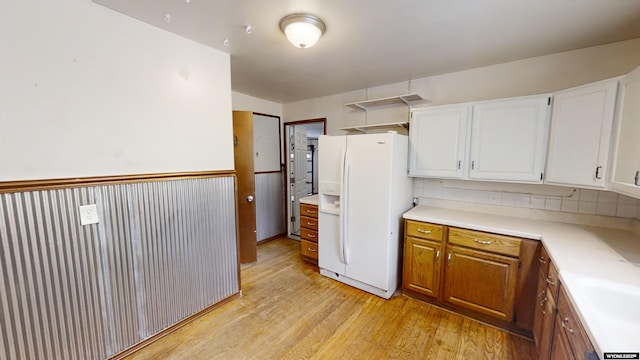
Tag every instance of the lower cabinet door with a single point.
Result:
(421, 271)
(560, 350)
(481, 281)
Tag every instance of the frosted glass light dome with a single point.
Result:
(302, 30)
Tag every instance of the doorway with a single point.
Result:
(301, 166)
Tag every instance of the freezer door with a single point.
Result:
(367, 203)
(330, 158)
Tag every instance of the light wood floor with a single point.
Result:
(289, 311)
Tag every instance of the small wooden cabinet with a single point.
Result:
(422, 257)
(546, 299)
(570, 332)
(309, 232)
(484, 275)
(557, 331)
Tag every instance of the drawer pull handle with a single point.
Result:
(483, 242)
(311, 236)
(550, 281)
(564, 325)
(544, 311)
(311, 211)
(541, 260)
(311, 224)
(311, 249)
(424, 231)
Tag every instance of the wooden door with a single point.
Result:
(509, 139)
(243, 158)
(299, 175)
(481, 281)
(422, 266)
(438, 141)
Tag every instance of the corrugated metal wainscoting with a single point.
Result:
(270, 208)
(162, 251)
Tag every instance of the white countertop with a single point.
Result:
(598, 252)
(311, 200)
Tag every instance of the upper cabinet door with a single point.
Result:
(626, 169)
(580, 137)
(438, 141)
(509, 139)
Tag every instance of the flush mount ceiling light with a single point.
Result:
(302, 30)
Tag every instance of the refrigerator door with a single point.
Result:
(330, 171)
(367, 202)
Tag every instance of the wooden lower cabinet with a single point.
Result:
(481, 281)
(487, 276)
(422, 266)
(561, 349)
(309, 232)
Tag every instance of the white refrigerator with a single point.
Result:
(364, 189)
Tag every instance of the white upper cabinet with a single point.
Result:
(509, 139)
(438, 138)
(626, 168)
(580, 136)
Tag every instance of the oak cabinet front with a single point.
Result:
(487, 276)
(309, 232)
(422, 266)
(481, 281)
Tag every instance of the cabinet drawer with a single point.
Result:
(309, 249)
(553, 281)
(424, 230)
(498, 244)
(309, 210)
(572, 328)
(309, 235)
(544, 261)
(309, 222)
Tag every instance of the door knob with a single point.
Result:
(250, 198)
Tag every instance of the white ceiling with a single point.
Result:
(375, 42)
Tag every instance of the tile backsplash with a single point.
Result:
(570, 200)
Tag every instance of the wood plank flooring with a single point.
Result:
(289, 311)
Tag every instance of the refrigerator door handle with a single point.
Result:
(344, 205)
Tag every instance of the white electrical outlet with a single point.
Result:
(89, 214)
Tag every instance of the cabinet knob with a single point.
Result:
(564, 325)
(550, 281)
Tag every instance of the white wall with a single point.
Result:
(517, 78)
(87, 91)
(542, 74)
(243, 102)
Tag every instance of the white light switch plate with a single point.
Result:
(89, 214)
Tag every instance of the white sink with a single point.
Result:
(609, 310)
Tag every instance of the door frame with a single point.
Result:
(286, 157)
